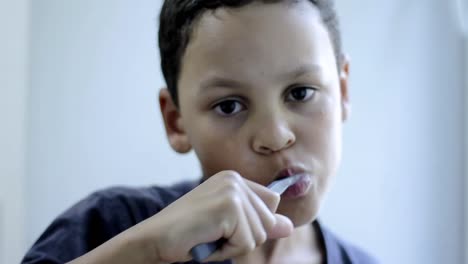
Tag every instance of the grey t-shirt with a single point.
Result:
(106, 213)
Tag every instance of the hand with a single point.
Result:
(224, 206)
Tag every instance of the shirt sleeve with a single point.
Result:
(82, 228)
(98, 218)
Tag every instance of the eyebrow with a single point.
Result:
(220, 82)
(303, 69)
(297, 72)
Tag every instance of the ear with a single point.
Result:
(175, 132)
(344, 84)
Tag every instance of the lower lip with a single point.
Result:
(299, 189)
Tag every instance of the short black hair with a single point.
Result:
(177, 18)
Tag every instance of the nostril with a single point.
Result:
(265, 150)
(268, 141)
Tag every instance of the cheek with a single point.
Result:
(217, 148)
(320, 136)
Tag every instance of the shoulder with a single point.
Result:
(133, 204)
(341, 251)
(99, 217)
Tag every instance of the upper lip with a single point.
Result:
(288, 172)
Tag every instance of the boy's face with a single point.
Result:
(259, 93)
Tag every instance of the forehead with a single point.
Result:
(259, 39)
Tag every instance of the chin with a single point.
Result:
(302, 211)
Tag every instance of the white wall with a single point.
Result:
(14, 23)
(400, 191)
(465, 50)
(94, 120)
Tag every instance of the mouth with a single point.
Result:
(300, 188)
(288, 172)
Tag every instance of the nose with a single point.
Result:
(271, 135)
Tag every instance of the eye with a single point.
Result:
(228, 107)
(300, 94)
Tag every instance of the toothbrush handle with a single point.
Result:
(202, 251)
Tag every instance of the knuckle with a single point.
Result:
(233, 201)
(261, 238)
(231, 190)
(226, 225)
(250, 246)
(276, 198)
(232, 185)
(273, 202)
(232, 176)
(270, 223)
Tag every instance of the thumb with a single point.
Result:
(283, 227)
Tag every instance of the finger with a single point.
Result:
(256, 217)
(283, 227)
(238, 242)
(270, 198)
(267, 218)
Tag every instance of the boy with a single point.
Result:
(258, 89)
